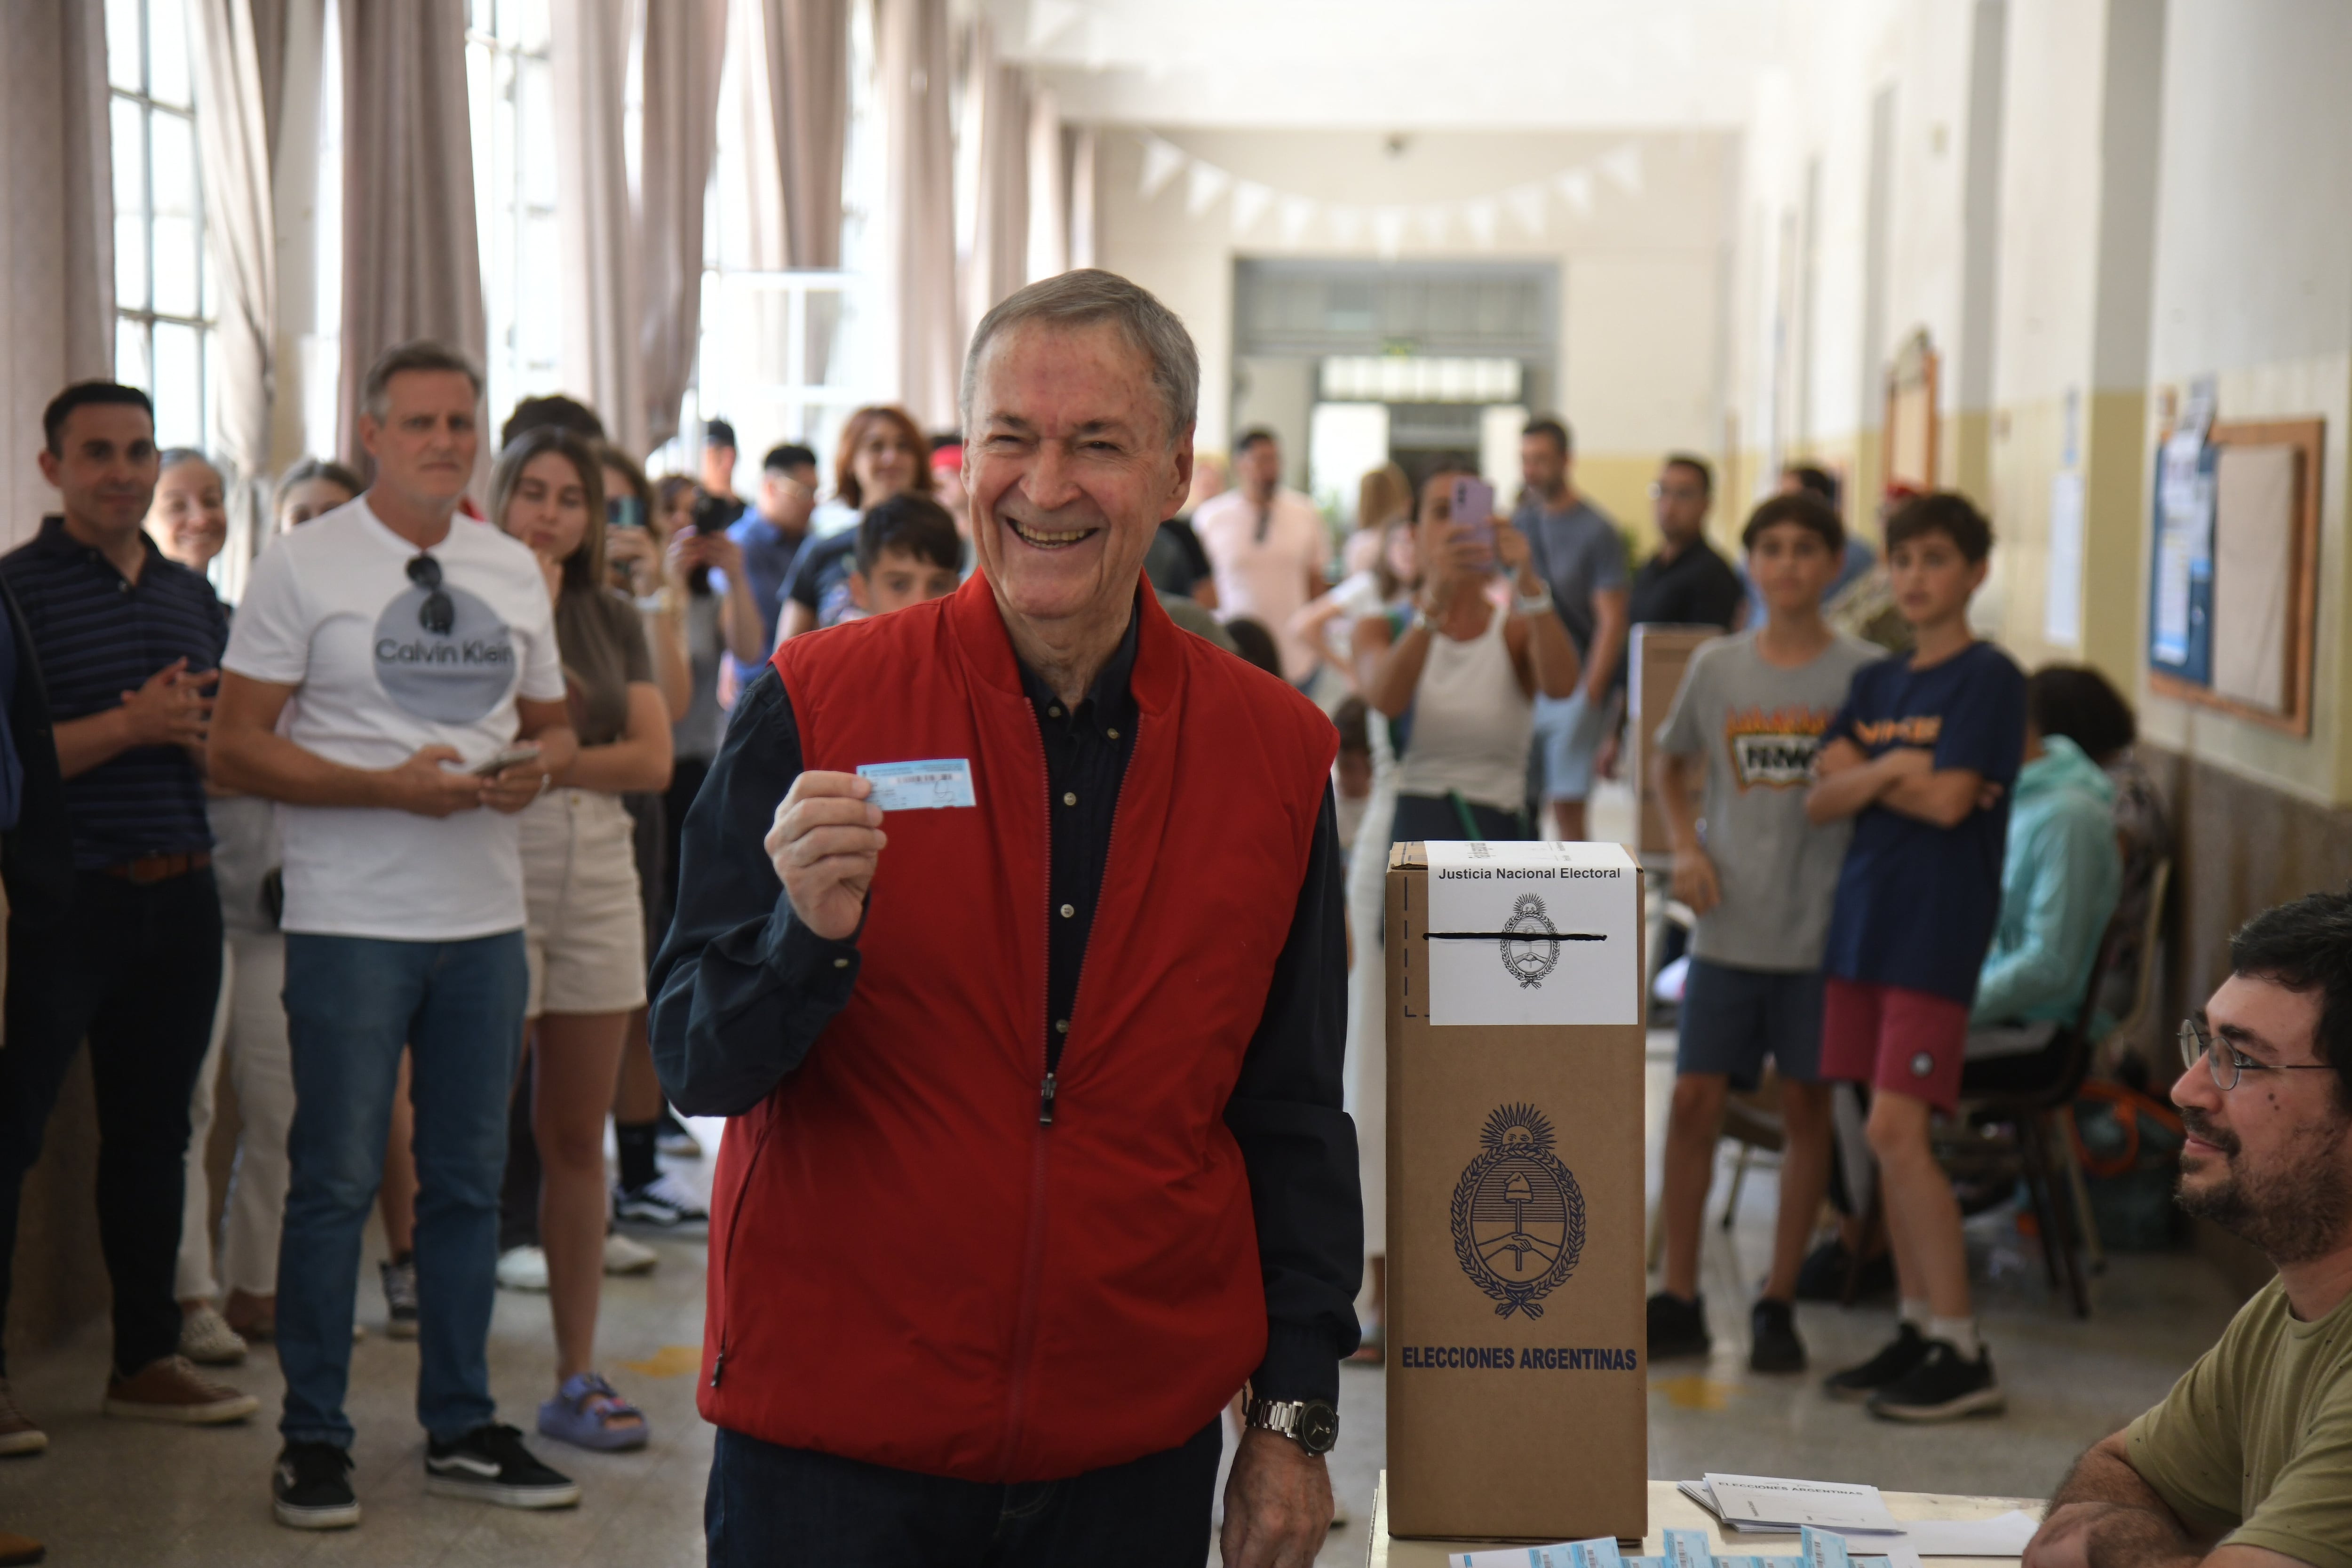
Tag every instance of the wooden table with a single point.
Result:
(1669, 1509)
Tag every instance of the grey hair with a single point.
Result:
(1082, 299)
(421, 355)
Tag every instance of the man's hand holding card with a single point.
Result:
(828, 837)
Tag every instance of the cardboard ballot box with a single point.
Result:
(1517, 1385)
(1658, 659)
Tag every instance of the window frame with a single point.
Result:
(504, 210)
(143, 316)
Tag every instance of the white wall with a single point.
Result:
(1810, 383)
(2253, 284)
(1642, 275)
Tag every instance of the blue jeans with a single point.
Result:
(786, 1508)
(351, 1004)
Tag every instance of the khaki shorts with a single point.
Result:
(585, 918)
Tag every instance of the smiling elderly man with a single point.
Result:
(1028, 1001)
(2248, 1462)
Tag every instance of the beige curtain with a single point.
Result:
(1082, 198)
(412, 260)
(57, 188)
(241, 230)
(995, 245)
(916, 306)
(685, 46)
(804, 58)
(596, 258)
(1049, 189)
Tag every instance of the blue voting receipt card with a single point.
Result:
(933, 785)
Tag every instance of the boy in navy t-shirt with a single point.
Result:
(1922, 758)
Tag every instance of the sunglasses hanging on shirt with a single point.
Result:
(437, 614)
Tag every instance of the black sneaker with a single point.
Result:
(399, 1297)
(1942, 1387)
(1889, 1366)
(489, 1464)
(1773, 1341)
(1677, 1328)
(311, 1487)
(1821, 1276)
(664, 1202)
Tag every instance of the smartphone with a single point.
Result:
(1474, 503)
(625, 512)
(506, 759)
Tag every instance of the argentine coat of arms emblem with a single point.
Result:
(1519, 1215)
(1531, 942)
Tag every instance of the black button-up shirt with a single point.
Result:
(99, 635)
(742, 990)
(1087, 748)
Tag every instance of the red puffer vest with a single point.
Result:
(906, 1267)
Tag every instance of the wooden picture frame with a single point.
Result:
(1911, 430)
(2307, 439)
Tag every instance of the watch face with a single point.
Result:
(1318, 1428)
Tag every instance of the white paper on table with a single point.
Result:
(2003, 1536)
(1748, 1502)
(1533, 934)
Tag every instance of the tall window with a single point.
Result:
(164, 304)
(507, 77)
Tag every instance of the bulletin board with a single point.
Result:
(2234, 603)
(1907, 437)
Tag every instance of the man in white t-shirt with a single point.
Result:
(1267, 547)
(393, 680)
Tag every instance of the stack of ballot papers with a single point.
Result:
(1769, 1503)
(1773, 1503)
(1687, 1549)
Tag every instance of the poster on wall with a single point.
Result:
(2180, 593)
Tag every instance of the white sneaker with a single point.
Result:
(522, 1268)
(206, 1338)
(623, 1256)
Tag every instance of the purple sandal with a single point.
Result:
(570, 1418)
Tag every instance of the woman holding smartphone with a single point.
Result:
(584, 915)
(1479, 642)
(635, 538)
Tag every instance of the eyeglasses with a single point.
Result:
(2195, 1043)
(437, 614)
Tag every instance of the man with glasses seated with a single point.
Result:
(408, 651)
(2248, 1462)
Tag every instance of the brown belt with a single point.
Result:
(160, 867)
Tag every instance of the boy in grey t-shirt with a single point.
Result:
(1762, 880)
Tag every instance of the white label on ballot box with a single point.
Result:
(1533, 934)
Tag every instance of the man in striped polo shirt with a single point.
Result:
(128, 644)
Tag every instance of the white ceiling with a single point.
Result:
(1401, 64)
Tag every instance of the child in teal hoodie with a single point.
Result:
(2060, 877)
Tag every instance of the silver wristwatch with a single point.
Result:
(1311, 1424)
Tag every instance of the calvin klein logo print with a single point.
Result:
(452, 677)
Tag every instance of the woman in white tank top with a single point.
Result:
(1459, 678)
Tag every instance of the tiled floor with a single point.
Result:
(113, 1492)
